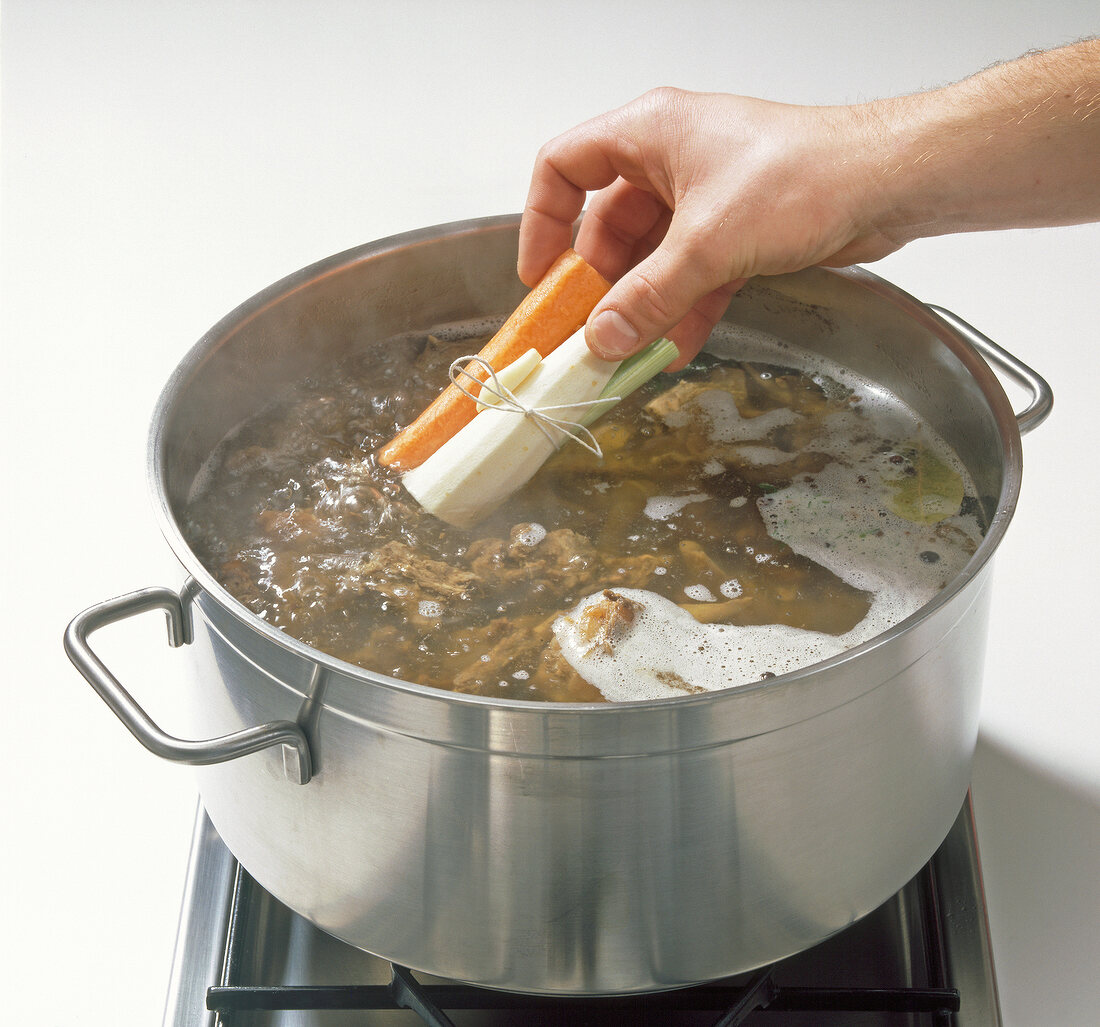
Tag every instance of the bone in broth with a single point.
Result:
(755, 513)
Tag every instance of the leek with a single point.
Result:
(475, 470)
(631, 375)
(499, 450)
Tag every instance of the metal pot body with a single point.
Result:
(588, 850)
(569, 849)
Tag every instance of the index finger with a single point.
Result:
(567, 168)
(622, 224)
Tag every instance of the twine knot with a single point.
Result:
(508, 401)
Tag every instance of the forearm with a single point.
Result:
(1015, 146)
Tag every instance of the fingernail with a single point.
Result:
(613, 335)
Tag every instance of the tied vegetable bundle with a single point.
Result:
(532, 387)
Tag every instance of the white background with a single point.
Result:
(163, 162)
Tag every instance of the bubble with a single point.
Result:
(731, 589)
(700, 593)
(429, 608)
(725, 423)
(661, 508)
(531, 535)
(668, 653)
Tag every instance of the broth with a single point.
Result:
(746, 495)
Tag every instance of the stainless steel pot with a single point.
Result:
(573, 849)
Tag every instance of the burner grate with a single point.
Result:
(732, 1003)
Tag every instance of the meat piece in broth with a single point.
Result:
(604, 622)
(561, 558)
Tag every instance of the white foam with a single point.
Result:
(667, 653)
(762, 456)
(731, 589)
(724, 420)
(661, 508)
(700, 593)
(531, 535)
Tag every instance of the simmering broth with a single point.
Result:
(754, 513)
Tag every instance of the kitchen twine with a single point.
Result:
(537, 415)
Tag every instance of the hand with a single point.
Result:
(695, 193)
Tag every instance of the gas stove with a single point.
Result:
(244, 960)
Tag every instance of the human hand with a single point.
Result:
(697, 192)
(694, 194)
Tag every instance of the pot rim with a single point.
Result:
(976, 366)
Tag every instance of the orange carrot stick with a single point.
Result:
(551, 312)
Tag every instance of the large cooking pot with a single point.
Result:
(573, 849)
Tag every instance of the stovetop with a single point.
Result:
(245, 960)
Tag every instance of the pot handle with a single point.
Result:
(1042, 396)
(141, 726)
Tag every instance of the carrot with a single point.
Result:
(551, 312)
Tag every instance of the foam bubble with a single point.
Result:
(531, 535)
(725, 423)
(842, 520)
(762, 456)
(661, 508)
(731, 589)
(667, 653)
(700, 593)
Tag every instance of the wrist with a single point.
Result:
(1014, 146)
(915, 154)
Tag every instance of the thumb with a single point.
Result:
(652, 298)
